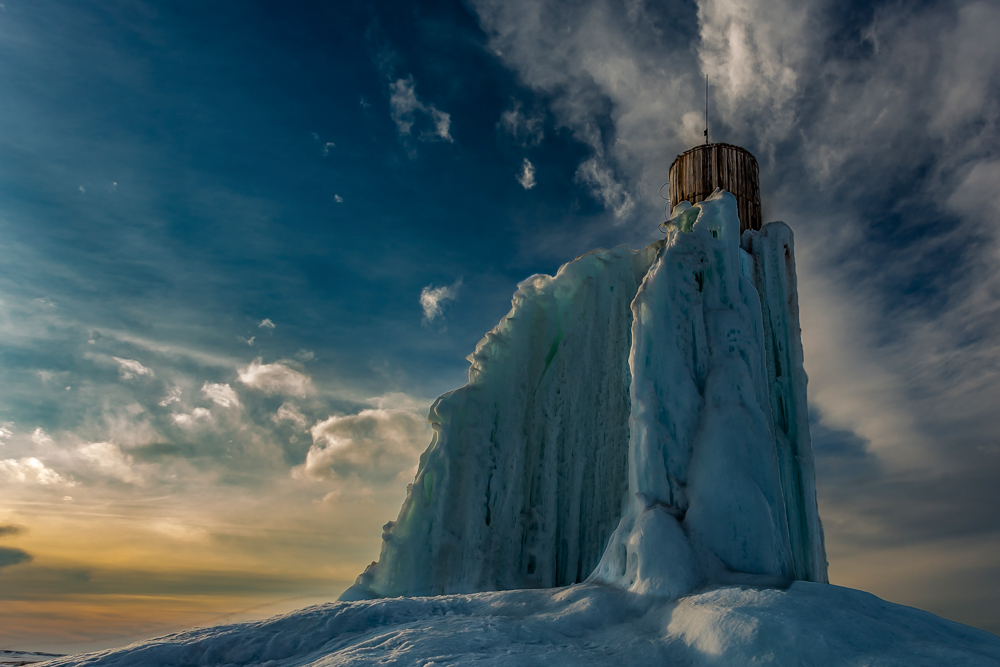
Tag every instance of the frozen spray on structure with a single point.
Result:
(638, 419)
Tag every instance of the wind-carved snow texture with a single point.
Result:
(526, 475)
(651, 390)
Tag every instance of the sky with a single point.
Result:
(244, 245)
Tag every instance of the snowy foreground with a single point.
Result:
(585, 624)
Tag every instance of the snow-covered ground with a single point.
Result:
(19, 658)
(585, 624)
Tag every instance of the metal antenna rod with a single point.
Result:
(706, 108)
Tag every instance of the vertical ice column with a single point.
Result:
(773, 272)
(705, 489)
(526, 475)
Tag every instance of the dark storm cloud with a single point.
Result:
(10, 556)
(10, 529)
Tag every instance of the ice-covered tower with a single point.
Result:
(694, 176)
(638, 419)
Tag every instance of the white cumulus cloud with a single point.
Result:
(198, 414)
(129, 369)
(405, 106)
(266, 323)
(110, 460)
(221, 394)
(275, 379)
(373, 444)
(40, 437)
(432, 298)
(31, 471)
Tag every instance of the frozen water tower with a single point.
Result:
(696, 173)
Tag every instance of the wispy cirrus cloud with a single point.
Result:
(407, 110)
(525, 129)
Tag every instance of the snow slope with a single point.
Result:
(585, 624)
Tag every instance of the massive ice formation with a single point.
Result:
(720, 468)
(660, 391)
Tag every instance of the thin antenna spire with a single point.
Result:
(706, 108)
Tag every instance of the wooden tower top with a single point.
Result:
(696, 173)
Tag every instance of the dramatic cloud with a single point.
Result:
(275, 379)
(753, 52)
(617, 76)
(405, 109)
(129, 369)
(527, 176)
(221, 394)
(374, 444)
(30, 470)
(432, 298)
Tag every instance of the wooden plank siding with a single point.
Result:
(696, 173)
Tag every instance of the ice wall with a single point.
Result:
(526, 475)
(771, 265)
(641, 412)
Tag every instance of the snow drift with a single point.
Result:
(806, 624)
(660, 391)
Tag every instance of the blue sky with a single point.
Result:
(218, 219)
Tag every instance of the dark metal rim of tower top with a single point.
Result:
(696, 173)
